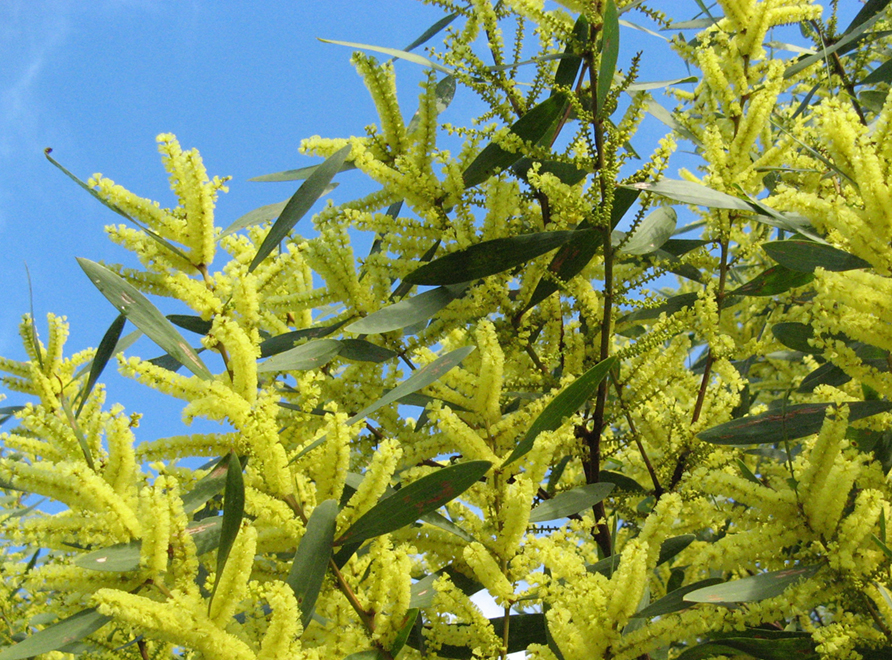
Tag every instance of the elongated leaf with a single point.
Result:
(423, 591)
(371, 654)
(104, 353)
(267, 212)
(659, 84)
(121, 558)
(194, 324)
(852, 35)
(566, 403)
(568, 68)
(693, 193)
(411, 502)
(206, 534)
(565, 172)
(311, 355)
(301, 202)
(406, 312)
(674, 545)
(144, 315)
(795, 336)
(620, 481)
(532, 127)
(443, 95)
(570, 502)
(792, 422)
(312, 558)
(609, 55)
(674, 601)
(805, 256)
(56, 636)
(672, 305)
(393, 52)
(655, 229)
(233, 512)
(751, 589)
(287, 340)
(405, 630)
(757, 643)
(773, 281)
(296, 175)
(870, 9)
(431, 32)
(491, 257)
(419, 379)
(365, 351)
(206, 487)
(882, 74)
(662, 114)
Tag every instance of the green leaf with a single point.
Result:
(566, 172)
(659, 84)
(104, 353)
(269, 211)
(118, 558)
(443, 95)
(805, 256)
(570, 501)
(233, 512)
(362, 350)
(655, 229)
(431, 32)
(312, 558)
(672, 305)
(757, 643)
(689, 192)
(301, 202)
(568, 67)
(194, 324)
(287, 340)
(406, 312)
(420, 378)
(852, 34)
(535, 125)
(206, 487)
(296, 175)
(674, 545)
(405, 630)
(393, 52)
(206, 534)
(311, 355)
(882, 74)
(674, 602)
(422, 592)
(620, 481)
(56, 636)
(609, 55)
(870, 9)
(792, 422)
(371, 654)
(491, 257)
(411, 502)
(570, 399)
(773, 281)
(795, 336)
(144, 315)
(751, 589)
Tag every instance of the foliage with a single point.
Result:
(691, 471)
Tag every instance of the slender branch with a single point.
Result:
(658, 489)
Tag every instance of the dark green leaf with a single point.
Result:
(795, 336)
(805, 256)
(311, 355)
(792, 422)
(411, 502)
(568, 68)
(405, 630)
(423, 591)
(301, 202)
(194, 324)
(852, 35)
(56, 636)
(366, 655)
(751, 589)
(826, 374)
(491, 257)
(566, 172)
(116, 558)
(570, 501)
(673, 545)
(287, 340)
(870, 9)
(656, 228)
(674, 601)
(536, 124)
(104, 353)
(432, 31)
(773, 281)
(620, 481)
(882, 74)
(206, 534)
(233, 512)
(419, 379)
(362, 350)
(570, 399)
(406, 312)
(696, 194)
(312, 558)
(206, 487)
(609, 55)
(296, 175)
(144, 315)
(393, 52)
(758, 643)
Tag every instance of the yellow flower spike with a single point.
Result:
(332, 459)
(854, 531)
(628, 583)
(381, 83)
(243, 355)
(514, 516)
(489, 573)
(658, 525)
(233, 584)
(465, 439)
(389, 588)
(121, 471)
(374, 484)
(492, 364)
(155, 536)
(179, 620)
(280, 642)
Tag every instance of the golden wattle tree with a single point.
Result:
(641, 438)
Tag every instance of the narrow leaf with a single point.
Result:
(674, 601)
(296, 175)
(405, 630)
(570, 399)
(411, 502)
(206, 487)
(491, 257)
(852, 34)
(419, 379)
(659, 84)
(882, 74)
(805, 256)
(104, 353)
(795, 336)
(118, 558)
(54, 637)
(751, 589)
(655, 229)
(311, 355)
(362, 350)
(287, 340)
(393, 52)
(791, 423)
(233, 512)
(194, 324)
(312, 558)
(773, 281)
(267, 212)
(532, 127)
(431, 32)
(406, 312)
(568, 67)
(144, 315)
(870, 9)
(301, 202)
(570, 501)
(693, 193)
(672, 305)
(609, 55)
